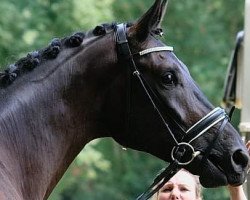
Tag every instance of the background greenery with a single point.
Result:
(202, 33)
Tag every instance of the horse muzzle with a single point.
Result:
(214, 174)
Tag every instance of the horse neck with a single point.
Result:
(43, 126)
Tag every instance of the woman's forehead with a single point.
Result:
(183, 178)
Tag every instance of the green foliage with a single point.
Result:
(202, 33)
(27, 25)
(104, 168)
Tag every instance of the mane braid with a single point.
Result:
(103, 29)
(35, 58)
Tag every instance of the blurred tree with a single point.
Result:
(26, 25)
(104, 170)
(203, 33)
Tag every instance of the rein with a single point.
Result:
(182, 148)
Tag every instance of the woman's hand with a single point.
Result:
(237, 193)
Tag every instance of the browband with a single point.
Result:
(154, 49)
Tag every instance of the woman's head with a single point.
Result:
(182, 186)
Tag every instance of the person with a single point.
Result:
(186, 186)
(183, 186)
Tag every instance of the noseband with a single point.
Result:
(182, 148)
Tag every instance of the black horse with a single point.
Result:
(115, 81)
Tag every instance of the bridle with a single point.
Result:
(182, 148)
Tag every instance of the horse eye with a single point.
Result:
(168, 79)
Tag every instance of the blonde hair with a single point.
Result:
(198, 187)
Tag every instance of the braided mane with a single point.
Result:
(35, 58)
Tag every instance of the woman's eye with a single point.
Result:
(168, 189)
(168, 79)
(184, 189)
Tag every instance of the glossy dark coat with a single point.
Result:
(55, 101)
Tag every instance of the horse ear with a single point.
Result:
(150, 21)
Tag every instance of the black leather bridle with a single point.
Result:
(182, 148)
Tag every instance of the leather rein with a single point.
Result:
(181, 148)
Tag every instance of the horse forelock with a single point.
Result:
(38, 57)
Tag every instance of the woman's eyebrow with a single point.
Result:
(166, 186)
(184, 185)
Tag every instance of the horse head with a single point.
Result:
(159, 104)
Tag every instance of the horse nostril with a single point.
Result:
(240, 158)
